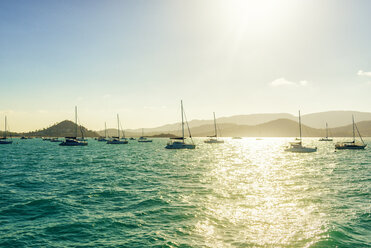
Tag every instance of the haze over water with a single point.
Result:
(243, 193)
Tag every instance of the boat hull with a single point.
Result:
(301, 149)
(73, 144)
(5, 142)
(214, 141)
(117, 142)
(350, 147)
(179, 145)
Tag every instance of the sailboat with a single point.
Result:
(117, 140)
(105, 134)
(326, 138)
(4, 140)
(74, 141)
(214, 138)
(144, 139)
(179, 142)
(298, 146)
(352, 145)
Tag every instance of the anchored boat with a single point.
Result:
(179, 142)
(4, 140)
(352, 145)
(298, 147)
(73, 140)
(326, 138)
(214, 138)
(144, 139)
(105, 134)
(117, 140)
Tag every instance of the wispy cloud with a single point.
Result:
(284, 82)
(364, 73)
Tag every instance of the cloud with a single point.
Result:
(284, 82)
(364, 73)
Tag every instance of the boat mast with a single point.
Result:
(118, 127)
(354, 134)
(142, 132)
(215, 125)
(181, 104)
(326, 130)
(76, 121)
(300, 126)
(5, 129)
(105, 130)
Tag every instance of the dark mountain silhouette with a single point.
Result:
(62, 129)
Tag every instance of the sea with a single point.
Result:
(243, 193)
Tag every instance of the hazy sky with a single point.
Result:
(139, 58)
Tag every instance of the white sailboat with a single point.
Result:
(298, 147)
(4, 140)
(144, 139)
(326, 138)
(104, 139)
(352, 145)
(214, 138)
(117, 140)
(74, 141)
(179, 142)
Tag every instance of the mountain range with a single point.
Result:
(315, 120)
(255, 125)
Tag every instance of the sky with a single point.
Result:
(139, 58)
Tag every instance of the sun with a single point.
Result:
(252, 14)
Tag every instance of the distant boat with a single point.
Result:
(55, 140)
(45, 139)
(144, 139)
(179, 142)
(214, 138)
(352, 145)
(74, 141)
(131, 138)
(117, 140)
(4, 140)
(298, 147)
(104, 139)
(326, 138)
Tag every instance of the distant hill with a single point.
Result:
(163, 135)
(252, 119)
(315, 120)
(334, 118)
(63, 129)
(347, 131)
(275, 128)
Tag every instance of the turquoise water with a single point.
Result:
(243, 193)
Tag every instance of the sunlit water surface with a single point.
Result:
(243, 193)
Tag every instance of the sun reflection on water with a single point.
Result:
(257, 194)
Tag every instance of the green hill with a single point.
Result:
(63, 129)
